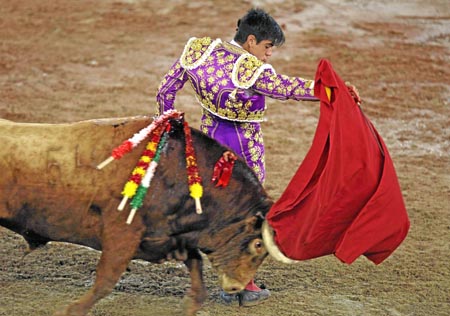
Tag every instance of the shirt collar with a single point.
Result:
(235, 43)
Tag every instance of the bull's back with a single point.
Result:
(49, 182)
(60, 154)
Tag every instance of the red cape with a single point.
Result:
(345, 198)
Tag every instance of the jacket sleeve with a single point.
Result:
(283, 87)
(173, 81)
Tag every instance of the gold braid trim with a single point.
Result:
(196, 51)
(247, 70)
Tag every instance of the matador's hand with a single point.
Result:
(353, 92)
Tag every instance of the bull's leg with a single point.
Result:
(197, 293)
(118, 248)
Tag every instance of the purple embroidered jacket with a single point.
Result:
(231, 85)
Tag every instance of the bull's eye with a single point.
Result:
(257, 247)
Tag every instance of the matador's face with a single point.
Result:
(262, 50)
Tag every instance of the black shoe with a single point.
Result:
(251, 298)
(228, 298)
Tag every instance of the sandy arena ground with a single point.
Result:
(65, 61)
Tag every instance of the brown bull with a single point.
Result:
(50, 190)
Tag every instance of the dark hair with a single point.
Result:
(260, 24)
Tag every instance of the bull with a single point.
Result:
(52, 191)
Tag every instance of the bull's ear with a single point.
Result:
(250, 224)
(259, 220)
(253, 223)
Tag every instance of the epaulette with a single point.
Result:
(196, 51)
(247, 70)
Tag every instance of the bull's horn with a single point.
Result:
(272, 248)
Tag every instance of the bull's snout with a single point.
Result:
(230, 285)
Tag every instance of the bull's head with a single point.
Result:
(242, 250)
(239, 253)
(235, 245)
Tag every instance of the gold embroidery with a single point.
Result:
(196, 51)
(247, 67)
(215, 78)
(253, 151)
